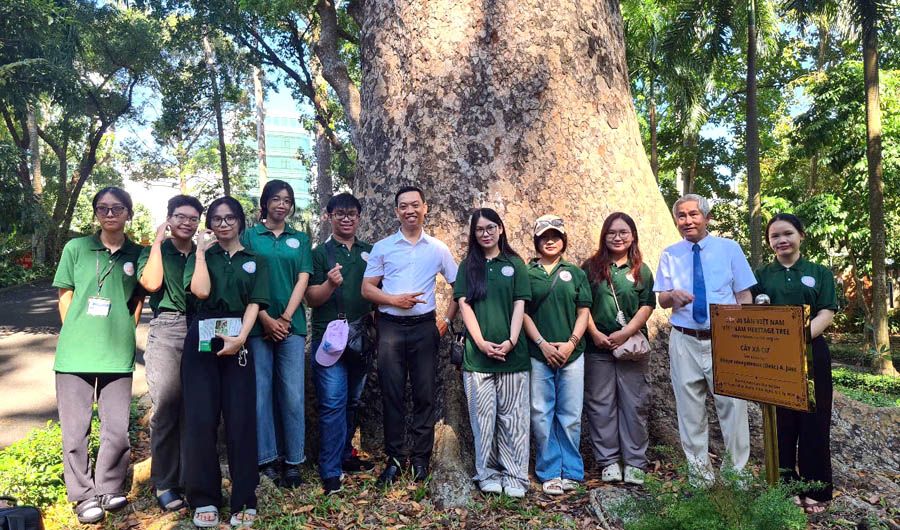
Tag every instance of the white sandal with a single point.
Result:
(243, 522)
(553, 487)
(202, 523)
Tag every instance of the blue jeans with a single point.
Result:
(557, 396)
(280, 427)
(338, 389)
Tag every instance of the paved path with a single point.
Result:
(29, 324)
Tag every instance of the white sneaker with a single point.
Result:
(634, 475)
(553, 487)
(514, 491)
(569, 484)
(491, 487)
(612, 473)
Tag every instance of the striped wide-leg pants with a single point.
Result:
(499, 411)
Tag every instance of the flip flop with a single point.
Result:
(170, 501)
(89, 511)
(200, 523)
(113, 501)
(815, 507)
(238, 523)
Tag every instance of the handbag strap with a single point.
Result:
(550, 290)
(615, 299)
(338, 293)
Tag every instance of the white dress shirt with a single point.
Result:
(408, 268)
(725, 272)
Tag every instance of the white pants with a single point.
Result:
(692, 375)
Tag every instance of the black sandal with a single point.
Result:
(86, 505)
(168, 499)
(113, 501)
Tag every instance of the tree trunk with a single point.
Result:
(654, 148)
(259, 96)
(522, 106)
(752, 142)
(813, 183)
(38, 251)
(217, 105)
(324, 183)
(883, 365)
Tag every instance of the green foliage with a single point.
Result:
(864, 381)
(32, 469)
(12, 274)
(732, 502)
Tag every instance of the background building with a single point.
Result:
(285, 140)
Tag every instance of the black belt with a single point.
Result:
(701, 334)
(407, 320)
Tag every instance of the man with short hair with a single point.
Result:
(338, 267)
(700, 270)
(406, 265)
(161, 273)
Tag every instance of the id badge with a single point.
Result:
(98, 307)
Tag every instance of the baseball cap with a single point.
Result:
(334, 341)
(549, 222)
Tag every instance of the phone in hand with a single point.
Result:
(216, 344)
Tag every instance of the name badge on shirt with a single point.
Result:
(98, 306)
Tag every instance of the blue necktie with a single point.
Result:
(699, 288)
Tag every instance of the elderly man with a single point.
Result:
(700, 270)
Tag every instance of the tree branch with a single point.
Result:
(333, 68)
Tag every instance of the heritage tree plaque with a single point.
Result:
(762, 353)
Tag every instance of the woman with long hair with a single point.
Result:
(100, 304)
(555, 321)
(617, 395)
(804, 451)
(492, 289)
(218, 379)
(278, 340)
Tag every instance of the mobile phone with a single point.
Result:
(216, 344)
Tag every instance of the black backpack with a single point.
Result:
(19, 517)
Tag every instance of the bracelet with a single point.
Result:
(286, 319)
(574, 339)
(539, 341)
(447, 320)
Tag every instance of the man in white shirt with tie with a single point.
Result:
(406, 265)
(700, 270)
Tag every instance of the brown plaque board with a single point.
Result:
(760, 353)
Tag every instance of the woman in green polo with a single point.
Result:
(492, 289)
(99, 304)
(231, 284)
(804, 438)
(278, 340)
(617, 394)
(554, 322)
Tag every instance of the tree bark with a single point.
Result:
(522, 106)
(217, 105)
(37, 184)
(333, 68)
(752, 142)
(883, 365)
(324, 182)
(259, 96)
(654, 148)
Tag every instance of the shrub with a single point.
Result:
(865, 381)
(12, 274)
(32, 469)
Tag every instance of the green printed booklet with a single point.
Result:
(210, 327)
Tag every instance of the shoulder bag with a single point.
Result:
(636, 347)
(360, 343)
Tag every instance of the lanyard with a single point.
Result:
(101, 279)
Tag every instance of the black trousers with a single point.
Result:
(408, 351)
(804, 438)
(214, 386)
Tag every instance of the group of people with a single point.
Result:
(542, 338)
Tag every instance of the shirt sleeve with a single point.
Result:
(663, 280)
(142, 261)
(246, 242)
(459, 286)
(306, 264)
(319, 272)
(449, 268)
(65, 272)
(646, 294)
(758, 288)
(522, 283)
(189, 267)
(827, 298)
(260, 293)
(741, 273)
(375, 265)
(583, 295)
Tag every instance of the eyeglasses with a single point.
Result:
(228, 220)
(489, 230)
(179, 218)
(558, 223)
(341, 214)
(285, 201)
(621, 234)
(104, 211)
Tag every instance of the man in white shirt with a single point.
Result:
(693, 273)
(406, 265)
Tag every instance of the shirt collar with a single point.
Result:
(261, 228)
(424, 238)
(703, 242)
(96, 244)
(334, 242)
(534, 263)
(168, 247)
(217, 249)
(799, 264)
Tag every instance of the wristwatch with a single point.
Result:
(539, 341)
(447, 320)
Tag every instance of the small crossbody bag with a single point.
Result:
(636, 347)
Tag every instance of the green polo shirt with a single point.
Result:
(803, 283)
(632, 296)
(555, 318)
(235, 281)
(353, 265)
(287, 255)
(97, 344)
(171, 296)
(507, 282)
